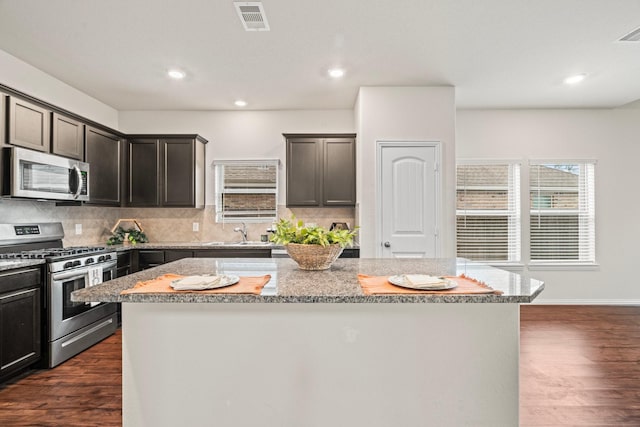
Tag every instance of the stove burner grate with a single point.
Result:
(54, 253)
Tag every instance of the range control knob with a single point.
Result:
(67, 264)
(89, 261)
(76, 263)
(108, 256)
(101, 258)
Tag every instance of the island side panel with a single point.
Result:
(320, 364)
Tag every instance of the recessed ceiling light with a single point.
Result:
(336, 73)
(240, 103)
(575, 79)
(176, 74)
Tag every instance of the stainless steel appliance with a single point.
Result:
(32, 174)
(71, 327)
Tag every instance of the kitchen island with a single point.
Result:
(313, 350)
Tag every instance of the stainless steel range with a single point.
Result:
(71, 327)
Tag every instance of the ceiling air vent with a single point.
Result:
(252, 15)
(633, 36)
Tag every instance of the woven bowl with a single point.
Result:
(313, 257)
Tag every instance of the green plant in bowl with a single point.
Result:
(312, 247)
(291, 231)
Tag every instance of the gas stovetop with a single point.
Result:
(55, 254)
(44, 241)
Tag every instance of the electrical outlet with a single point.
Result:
(196, 226)
(78, 228)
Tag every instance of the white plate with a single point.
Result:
(400, 280)
(193, 285)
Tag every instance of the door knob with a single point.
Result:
(387, 244)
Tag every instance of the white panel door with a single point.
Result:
(408, 200)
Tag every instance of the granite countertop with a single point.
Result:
(10, 264)
(197, 245)
(339, 284)
(189, 245)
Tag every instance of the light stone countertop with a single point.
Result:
(339, 284)
(10, 264)
(195, 246)
(188, 246)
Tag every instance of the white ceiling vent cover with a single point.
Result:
(252, 15)
(633, 36)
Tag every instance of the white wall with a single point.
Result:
(21, 76)
(240, 134)
(612, 137)
(404, 114)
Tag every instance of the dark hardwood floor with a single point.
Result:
(81, 392)
(579, 366)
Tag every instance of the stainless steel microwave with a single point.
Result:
(32, 174)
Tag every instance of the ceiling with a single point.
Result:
(497, 53)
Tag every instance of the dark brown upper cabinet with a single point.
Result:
(304, 171)
(166, 170)
(29, 125)
(104, 153)
(143, 172)
(67, 138)
(179, 167)
(321, 170)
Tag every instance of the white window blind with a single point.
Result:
(488, 211)
(562, 223)
(246, 191)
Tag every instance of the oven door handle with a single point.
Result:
(73, 275)
(68, 276)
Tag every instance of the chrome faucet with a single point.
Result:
(242, 230)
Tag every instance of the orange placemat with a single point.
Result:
(373, 285)
(162, 284)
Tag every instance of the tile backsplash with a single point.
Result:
(160, 224)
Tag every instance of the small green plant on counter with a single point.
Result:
(135, 236)
(290, 231)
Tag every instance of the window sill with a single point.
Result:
(564, 267)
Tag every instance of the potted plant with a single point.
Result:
(130, 235)
(312, 247)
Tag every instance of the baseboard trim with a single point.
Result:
(541, 301)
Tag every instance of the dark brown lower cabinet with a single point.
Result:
(350, 253)
(20, 320)
(124, 264)
(174, 255)
(233, 253)
(150, 258)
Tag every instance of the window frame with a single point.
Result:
(513, 211)
(585, 211)
(219, 213)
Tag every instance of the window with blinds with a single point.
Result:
(246, 191)
(562, 223)
(488, 212)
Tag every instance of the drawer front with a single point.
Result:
(20, 278)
